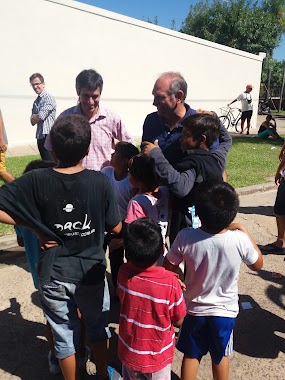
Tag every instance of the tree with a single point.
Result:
(275, 69)
(241, 24)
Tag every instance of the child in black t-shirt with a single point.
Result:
(69, 207)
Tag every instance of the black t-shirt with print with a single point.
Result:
(77, 208)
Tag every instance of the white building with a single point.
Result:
(61, 38)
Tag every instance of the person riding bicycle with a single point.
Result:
(246, 107)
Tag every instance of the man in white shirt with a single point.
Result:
(246, 107)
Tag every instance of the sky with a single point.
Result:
(165, 10)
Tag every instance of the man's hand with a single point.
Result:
(148, 146)
(205, 112)
(35, 119)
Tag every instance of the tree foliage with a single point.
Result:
(241, 24)
(275, 69)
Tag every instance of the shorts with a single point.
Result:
(279, 206)
(246, 115)
(131, 374)
(200, 335)
(60, 301)
(3, 161)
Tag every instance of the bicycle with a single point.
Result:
(228, 117)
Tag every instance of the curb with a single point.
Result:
(8, 242)
(256, 188)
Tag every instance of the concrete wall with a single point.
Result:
(61, 38)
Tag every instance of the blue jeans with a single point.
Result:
(60, 302)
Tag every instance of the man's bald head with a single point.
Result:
(176, 83)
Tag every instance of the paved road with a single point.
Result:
(259, 334)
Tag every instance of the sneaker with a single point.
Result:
(86, 363)
(113, 374)
(247, 132)
(53, 364)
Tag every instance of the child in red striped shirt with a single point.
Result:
(151, 303)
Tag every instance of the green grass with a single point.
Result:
(251, 161)
(278, 113)
(15, 165)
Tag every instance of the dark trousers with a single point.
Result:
(116, 260)
(116, 257)
(45, 154)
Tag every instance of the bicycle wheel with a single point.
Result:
(238, 124)
(225, 121)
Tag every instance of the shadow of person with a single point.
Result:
(275, 293)
(258, 210)
(23, 349)
(256, 331)
(14, 257)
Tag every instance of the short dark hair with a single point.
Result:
(126, 149)
(143, 242)
(89, 79)
(70, 138)
(39, 164)
(216, 204)
(202, 124)
(37, 75)
(142, 170)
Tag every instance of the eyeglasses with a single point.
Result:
(36, 84)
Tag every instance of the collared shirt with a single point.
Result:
(156, 128)
(106, 127)
(45, 107)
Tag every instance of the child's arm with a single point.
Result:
(172, 268)
(259, 262)
(178, 323)
(280, 168)
(178, 183)
(117, 229)
(168, 266)
(282, 152)
(6, 218)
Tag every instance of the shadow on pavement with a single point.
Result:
(14, 258)
(256, 331)
(275, 293)
(22, 341)
(258, 210)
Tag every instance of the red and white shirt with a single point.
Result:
(151, 300)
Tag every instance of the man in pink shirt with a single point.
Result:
(106, 126)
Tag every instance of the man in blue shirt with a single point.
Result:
(169, 92)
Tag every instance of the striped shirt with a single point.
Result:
(151, 300)
(45, 107)
(106, 127)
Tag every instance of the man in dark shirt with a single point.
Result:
(164, 125)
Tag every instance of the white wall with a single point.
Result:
(61, 38)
